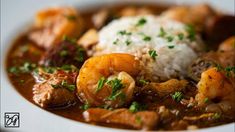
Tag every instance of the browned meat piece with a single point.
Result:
(57, 91)
(89, 39)
(134, 11)
(165, 88)
(198, 66)
(53, 23)
(100, 18)
(65, 53)
(225, 56)
(220, 28)
(145, 120)
(196, 15)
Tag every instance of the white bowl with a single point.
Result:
(15, 16)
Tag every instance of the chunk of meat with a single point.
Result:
(145, 120)
(53, 23)
(65, 53)
(57, 91)
(100, 18)
(134, 11)
(166, 88)
(198, 66)
(88, 39)
(187, 15)
(220, 27)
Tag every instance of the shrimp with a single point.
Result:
(53, 23)
(228, 45)
(187, 15)
(216, 87)
(115, 68)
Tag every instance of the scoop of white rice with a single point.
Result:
(141, 34)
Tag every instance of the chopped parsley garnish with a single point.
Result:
(22, 81)
(49, 69)
(228, 70)
(128, 42)
(71, 17)
(64, 84)
(169, 38)
(101, 83)
(135, 107)
(171, 46)
(79, 55)
(24, 48)
(14, 70)
(153, 54)
(180, 36)
(116, 86)
(162, 32)
(124, 32)
(71, 40)
(63, 53)
(206, 100)
(85, 106)
(141, 22)
(27, 67)
(68, 68)
(116, 41)
(219, 67)
(138, 119)
(143, 82)
(191, 32)
(147, 38)
(216, 116)
(177, 96)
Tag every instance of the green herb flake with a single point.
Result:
(219, 67)
(138, 119)
(143, 82)
(71, 17)
(24, 48)
(116, 41)
(216, 116)
(141, 22)
(128, 42)
(101, 83)
(153, 54)
(68, 39)
(191, 32)
(169, 38)
(63, 53)
(85, 106)
(116, 86)
(22, 81)
(14, 70)
(55, 86)
(49, 69)
(206, 100)
(124, 32)
(162, 32)
(171, 46)
(135, 107)
(147, 38)
(177, 96)
(180, 36)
